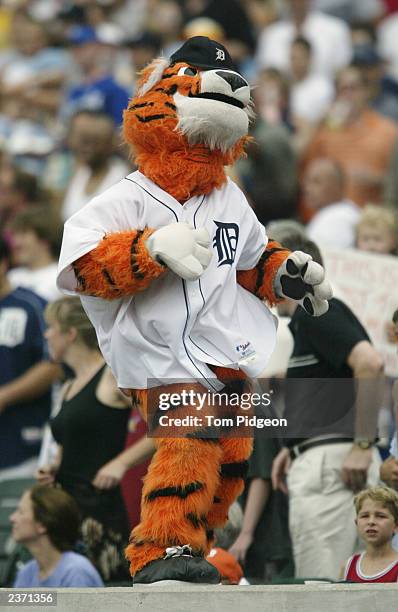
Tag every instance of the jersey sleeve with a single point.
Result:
(256, 240)
(105, 214)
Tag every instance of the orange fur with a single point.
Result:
(228, 491)
(177, 463)
(108, 270)
(140, 556)
(234, 450)
(227, 374)
(249, 278)
(164, 520)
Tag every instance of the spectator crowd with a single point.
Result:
(321, 172)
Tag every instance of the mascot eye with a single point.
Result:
(187, 71)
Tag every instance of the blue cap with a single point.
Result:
(366, 55)
(81, 34)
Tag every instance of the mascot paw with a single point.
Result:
(182, 249)
(299, 278)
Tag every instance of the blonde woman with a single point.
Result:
(90, 430)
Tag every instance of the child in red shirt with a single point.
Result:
(377, 523)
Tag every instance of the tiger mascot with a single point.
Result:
(173, 268)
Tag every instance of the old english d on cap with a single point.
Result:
(202, 52)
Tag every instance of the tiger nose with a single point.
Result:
(234, 80)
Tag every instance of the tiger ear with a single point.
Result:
(151, 75)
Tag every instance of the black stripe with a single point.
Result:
(169, 92)
(170, 105)
(194, 520)
(267, 254)
(217, 500)
(133, 254)
(218, 96)
(136, 271)
(80, 279)
(205, 435)
(234, 470)
(260, 267)
(135, 241)
(108, 277)
(181, 492)
(134, 106)
(151, 118)
(209, 534)
(203, 520)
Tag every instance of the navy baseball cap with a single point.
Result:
(202, 52)
(81, 34)
(366, 55)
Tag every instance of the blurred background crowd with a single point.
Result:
(324, 158)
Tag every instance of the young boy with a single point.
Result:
(377, 230)
(377, 523)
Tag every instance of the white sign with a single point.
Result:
(368, 283)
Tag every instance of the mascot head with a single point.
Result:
(189, 119)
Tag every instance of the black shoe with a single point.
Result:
(182, 567)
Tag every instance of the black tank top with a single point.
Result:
(91, 433)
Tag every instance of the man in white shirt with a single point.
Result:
(92, 141)
(387, 36)
(335, 219)
(36, 237)
(310, 94)
(352, 10)
(329, 36)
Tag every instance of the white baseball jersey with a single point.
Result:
(174, 328)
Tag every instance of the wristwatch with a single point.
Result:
(363, 443)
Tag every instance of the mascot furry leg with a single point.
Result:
(204, 477)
